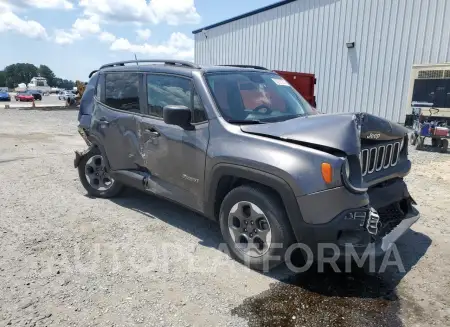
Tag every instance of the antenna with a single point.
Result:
(135, 58)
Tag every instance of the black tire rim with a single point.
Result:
(249, 229)
(97, 174)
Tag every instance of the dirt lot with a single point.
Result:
(70, 260)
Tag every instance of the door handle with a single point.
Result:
(103, 121)
(152, 132)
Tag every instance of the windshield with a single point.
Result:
(256, 97)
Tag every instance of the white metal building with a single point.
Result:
(316, 36)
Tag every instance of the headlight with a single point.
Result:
(351, 175)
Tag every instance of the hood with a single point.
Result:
(341, 132)
(3, 94)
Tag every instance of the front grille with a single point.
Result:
(379, 157)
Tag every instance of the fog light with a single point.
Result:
(358, 216)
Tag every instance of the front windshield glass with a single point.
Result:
(245, 96)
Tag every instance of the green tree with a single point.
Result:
(23, 73)
(64, 83)
(19, 73)
(2, 78)
(48, 74)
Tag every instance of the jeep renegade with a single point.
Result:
(242, 147)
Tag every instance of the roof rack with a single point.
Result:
(167, 62)
(246, 66)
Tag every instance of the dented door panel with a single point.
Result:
(117, 132)
(175, 159)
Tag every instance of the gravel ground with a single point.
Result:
(70, 260)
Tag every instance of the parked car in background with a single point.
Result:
(19, 93)
(4, 96)
(66, 95)
(37, 95)
(24, 96)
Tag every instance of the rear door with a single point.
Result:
(114, 123)
(175, 157)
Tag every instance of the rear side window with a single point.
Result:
(122, 91)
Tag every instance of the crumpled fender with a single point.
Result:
(80, 154)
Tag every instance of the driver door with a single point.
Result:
(174, 157)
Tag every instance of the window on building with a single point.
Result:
(122, 91)
(166, 90)
(434, 92)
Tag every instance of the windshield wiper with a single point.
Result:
(244, 121)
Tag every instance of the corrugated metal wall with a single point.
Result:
(310, 36)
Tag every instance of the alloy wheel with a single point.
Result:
(97, 174)
(249, 229)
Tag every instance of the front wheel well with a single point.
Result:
(229, 182)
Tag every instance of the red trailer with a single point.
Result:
(302, 82)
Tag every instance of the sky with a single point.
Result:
(74, 37)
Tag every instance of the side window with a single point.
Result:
(164, 90)
(199, 114)
(122, 91)
(98, 90)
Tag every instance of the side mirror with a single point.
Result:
(178, 115)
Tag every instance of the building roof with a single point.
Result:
(251, 13)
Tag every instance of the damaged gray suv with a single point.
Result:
(239, 145)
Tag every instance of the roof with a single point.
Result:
(251, 13)
(212, 68)
(184, 69)
(187, 71)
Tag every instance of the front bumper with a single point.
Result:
(369, 223)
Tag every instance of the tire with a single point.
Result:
(257, 208)
(444, 145)
(420, 141)
(413, 139)
(435, 143)
(85, 164)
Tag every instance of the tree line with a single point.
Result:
(18, 73)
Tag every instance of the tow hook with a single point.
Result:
(373, 221)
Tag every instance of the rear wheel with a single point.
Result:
(420, 142)
(255, 227)
(95, 176)
(444, 145)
